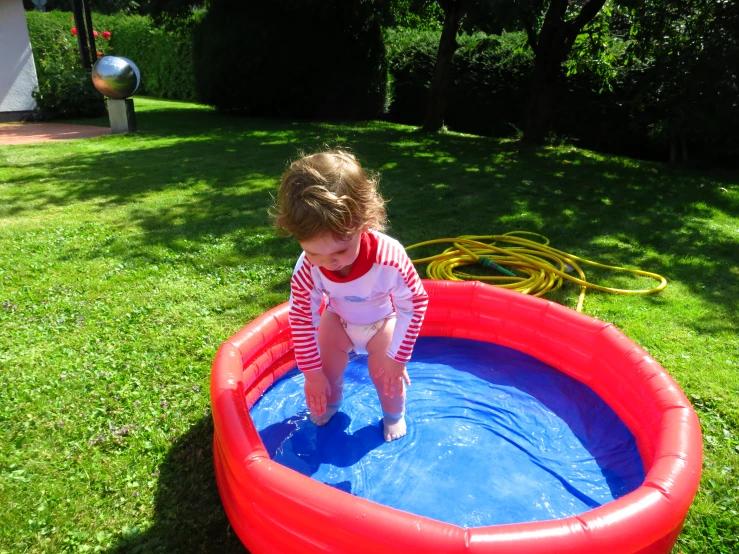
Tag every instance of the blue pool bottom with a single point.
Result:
(494, 436)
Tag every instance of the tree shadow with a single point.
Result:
(225, 169)
(188, 514)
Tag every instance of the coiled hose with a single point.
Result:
(544, 268)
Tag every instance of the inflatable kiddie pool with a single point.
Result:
(274, 509)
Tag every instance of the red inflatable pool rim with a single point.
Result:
(276, 510)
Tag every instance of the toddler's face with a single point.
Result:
(331, 253)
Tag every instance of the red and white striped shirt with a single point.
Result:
(382, 283)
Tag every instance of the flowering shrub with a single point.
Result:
(106, 35)
(65, 88)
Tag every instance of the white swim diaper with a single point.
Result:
(361, 333)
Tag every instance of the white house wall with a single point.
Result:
(17, 70)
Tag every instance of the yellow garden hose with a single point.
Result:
(544, 268)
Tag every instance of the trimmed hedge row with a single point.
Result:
(163, 57)
(297, 59)
(336, 78)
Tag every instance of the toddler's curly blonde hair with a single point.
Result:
(328, 191)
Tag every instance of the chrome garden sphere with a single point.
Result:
(116, 77)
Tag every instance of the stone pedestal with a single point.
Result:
(122, 116)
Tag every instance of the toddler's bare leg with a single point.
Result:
(334, 345)
(393, 409)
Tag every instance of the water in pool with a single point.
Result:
(494, 436)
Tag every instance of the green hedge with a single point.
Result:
(489, 76)
(65, 88)
(411, 57)
(296, 59)
(163, 57)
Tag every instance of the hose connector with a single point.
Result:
(490, 264)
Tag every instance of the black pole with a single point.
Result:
(79, 23)
(85, 38)
(90, 35)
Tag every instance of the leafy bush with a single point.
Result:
(302, 58)
(411, 58)
(65, 88)
(604, 120)
(490, 84)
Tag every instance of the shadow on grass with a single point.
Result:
(221, 171)
(189, 516)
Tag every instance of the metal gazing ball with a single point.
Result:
(116, 77)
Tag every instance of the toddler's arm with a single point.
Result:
(410, 301)
(305, 301)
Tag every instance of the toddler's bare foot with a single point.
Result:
(394, 428)
(328, 414)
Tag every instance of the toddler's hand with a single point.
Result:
(394, 373)
(316, 389)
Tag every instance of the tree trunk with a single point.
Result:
(673, 150)
(678, 148)
(551, 48)
(439, 91)
(541, 100)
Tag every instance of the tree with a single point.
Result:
(454, 10)
(470, 15)
(699, 39)
(551, 37)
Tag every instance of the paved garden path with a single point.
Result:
(24, 133)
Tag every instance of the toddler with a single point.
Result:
(374, 299)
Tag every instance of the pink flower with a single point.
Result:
(95, 34)
(73, 30)
(106, 35)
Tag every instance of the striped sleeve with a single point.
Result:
(409, 298)
(305, 301)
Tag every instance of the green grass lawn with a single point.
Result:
(125, 261)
